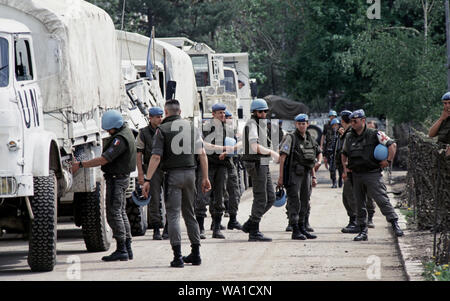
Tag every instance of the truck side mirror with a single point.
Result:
(171, 89)
(254, 89)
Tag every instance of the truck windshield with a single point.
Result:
(229, 82)
(201, 69)
(4, 69)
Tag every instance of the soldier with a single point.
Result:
(117, 162)
(218, 163)
(256, 156)
(300, 151)
(370, 202)
(326, 137)
(144, 142)
(347, 193)
(175, 142)
(232, 188)
(441, 128)
(358, 150)
(331, 146)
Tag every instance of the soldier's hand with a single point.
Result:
(141, 179)
(317, 166)
(275, 156)
(445, 114)
(280, 182)
(146, 189)
(384, 164)
(341, 131)
(222, 156)
(344, 175)
(75, 167)
(314, 182)
(206, 185)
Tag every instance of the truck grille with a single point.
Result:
(8, 186)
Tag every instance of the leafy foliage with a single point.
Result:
(325, 53)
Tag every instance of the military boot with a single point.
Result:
(156, 234)
(396, 228)
(296, 234)
(334, 184)
(255, 235)
(246, 226)
(307, 225)
(216, 230)
(370, 223)
(304, 232)
(119, 254)
(129, 250)
(212, 226)
(363, 235)
(351, 227)
(165, 234)
(289, 228)
(201, 221)
(194, 257)
(177, 258)
(233, 223)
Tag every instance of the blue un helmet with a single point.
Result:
(332, 113)
(334, 121)
(112, 119)
(258, 104)
(380, 152)
(218, 107)
(446, 96)
(228, 113)
(155, 111)
(138, 198)
(301, 118)
(280, 199)
(358, 114)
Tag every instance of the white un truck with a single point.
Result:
(59, 71)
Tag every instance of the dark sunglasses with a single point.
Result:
(265, 111)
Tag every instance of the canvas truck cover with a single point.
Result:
(176, 63)
(76, 53)
(283, 108)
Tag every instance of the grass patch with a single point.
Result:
(408, 213)
(435, 272)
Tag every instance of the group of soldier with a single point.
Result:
(201, 168)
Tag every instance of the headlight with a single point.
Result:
(8, 186)
(12, 145)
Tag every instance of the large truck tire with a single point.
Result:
(316, 132)
(137, 216)
(96, 232)
(42, 244)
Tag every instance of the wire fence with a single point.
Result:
(428, 191)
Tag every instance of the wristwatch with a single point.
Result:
(314, 177)
(146, 180)
(389, 161)
(81, 164)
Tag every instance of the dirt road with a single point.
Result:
(332, 256)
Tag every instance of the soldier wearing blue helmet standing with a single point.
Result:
(257, 152)
(144, 143)
(117, 161)
(326, 141)
(298, 153)
(441, 128)
(358, 158)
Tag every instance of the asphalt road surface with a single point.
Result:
(332, 256)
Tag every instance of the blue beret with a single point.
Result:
(334, 121)
(332, 113)
(301, 118)
(358, 114)
(346, 113)
(155, 111)
(219, 107)
(228, 113)
(446, 96)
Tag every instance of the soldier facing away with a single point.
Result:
(175, 143)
